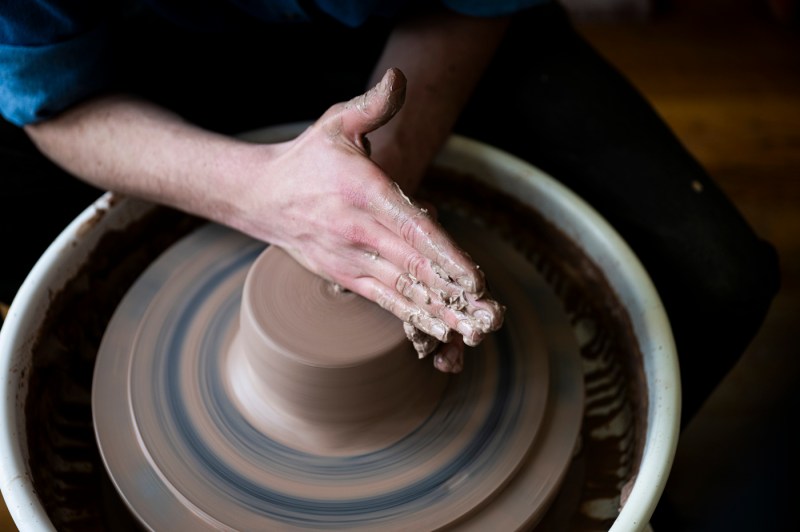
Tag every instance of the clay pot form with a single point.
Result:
(324, 370)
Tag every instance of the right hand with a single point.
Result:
(322, 199)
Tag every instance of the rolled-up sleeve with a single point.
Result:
(46, 67)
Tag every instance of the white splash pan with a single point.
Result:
(502, 171)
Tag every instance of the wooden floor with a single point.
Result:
(726, 77)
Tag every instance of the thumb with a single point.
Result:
(369, 111)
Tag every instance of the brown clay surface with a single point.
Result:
(232, 422)
(81, 497)
(323, 369)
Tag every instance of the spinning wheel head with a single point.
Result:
(208, 411)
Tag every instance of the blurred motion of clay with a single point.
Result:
(323, 369)
(236, 390)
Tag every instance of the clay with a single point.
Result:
(322, 370)
(59, 429)
(423, 344)
(69, 476)
(205, 418)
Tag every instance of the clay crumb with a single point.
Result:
(402, 194)
(337, 289)
(424, 344)
(439, 271)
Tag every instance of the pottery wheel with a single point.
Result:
(200, 425)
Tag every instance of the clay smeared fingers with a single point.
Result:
(389, 299)
(448, 357)
(427, 300)
(376, 106)
(398, 214)
(424, 344)
(468, 326)
(487, 312)
(419, 266)
(365, 113)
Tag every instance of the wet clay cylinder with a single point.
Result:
(324, 370)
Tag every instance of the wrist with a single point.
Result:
(243, 188)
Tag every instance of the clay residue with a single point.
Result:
(320, 368)
(613, 431)
(424, 344)
(67, 471)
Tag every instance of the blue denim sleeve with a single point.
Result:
(490, 8)
(49, 60)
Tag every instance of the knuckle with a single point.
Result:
(389, 302)
(384, 300)
(404, 284)
(414, 264)
(356, 196)
(408, 229)
(355, 235)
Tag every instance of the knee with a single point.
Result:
(722, 303)
(744, 282)
(715, 318)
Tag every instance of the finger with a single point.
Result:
(487, 312)
(410, 260)
(446, 302)
(428, 208)
(415, 265)
(398, 214)
(435, 292)
(424, 344)
(426, 300)
(450, 358)
(469, 327)
(389, 299)
(369, 111)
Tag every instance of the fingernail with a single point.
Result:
(467, 284)
(473, 285)
(466, 329)
(485, 318)
(389, 78)
(440, 331)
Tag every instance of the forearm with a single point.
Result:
(443, 55)
(319, 196)
(127, 145)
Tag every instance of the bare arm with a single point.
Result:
(287, 193)
(129, 145)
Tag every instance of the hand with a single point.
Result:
(338, 214)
